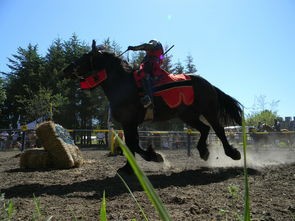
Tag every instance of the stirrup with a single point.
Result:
(146, 101)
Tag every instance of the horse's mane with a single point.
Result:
(121, 63)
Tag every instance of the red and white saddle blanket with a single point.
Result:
(175, 89)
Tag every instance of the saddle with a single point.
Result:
(175, 89)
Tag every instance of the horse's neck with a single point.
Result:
(118, 85)
(120, 82)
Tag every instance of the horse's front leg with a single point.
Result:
(132, 141)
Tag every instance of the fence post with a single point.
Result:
(189, 133)
(23, 140)
(112, 141)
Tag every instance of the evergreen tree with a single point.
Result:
(24, 79)
(189, 66)
(55, 63)
(2, 92)
(116, 48)
(42, 103)
(107, 44)
(178, 68)
(111, 46)
(73, 49)
(3, 119)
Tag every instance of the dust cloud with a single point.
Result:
(257, 156)
(177, 160)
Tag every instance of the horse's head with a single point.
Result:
(83, 66)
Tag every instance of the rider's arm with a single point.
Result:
(143, 47)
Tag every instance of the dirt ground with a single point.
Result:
(190, 188)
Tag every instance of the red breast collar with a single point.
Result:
(93, 80)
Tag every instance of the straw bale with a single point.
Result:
(60, 146)
(37, 158)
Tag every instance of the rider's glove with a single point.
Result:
(131, 48)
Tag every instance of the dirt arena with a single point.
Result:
(190, 188)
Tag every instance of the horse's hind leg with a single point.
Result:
(219, 131)
(204, 131)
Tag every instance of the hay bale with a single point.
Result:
(60, 146)
(35, 159)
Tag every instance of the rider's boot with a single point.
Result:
(149, 106)
(147, 100)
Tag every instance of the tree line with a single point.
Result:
(33, 87)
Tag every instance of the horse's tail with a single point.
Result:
(230, 110)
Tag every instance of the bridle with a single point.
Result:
(94, 77)
(76, 67)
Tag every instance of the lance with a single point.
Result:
(168, 49)
(163, 54)
(122, 53)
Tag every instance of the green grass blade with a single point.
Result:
(140, 208)
(37, 213)
(144, 181)
(246, 183)
(37, 205)
(10, 210)
(103, 209)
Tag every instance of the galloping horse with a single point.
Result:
(205, 105)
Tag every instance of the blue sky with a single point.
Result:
(246, 48)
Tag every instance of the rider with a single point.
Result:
(150, 63)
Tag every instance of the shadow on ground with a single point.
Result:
(114, 186)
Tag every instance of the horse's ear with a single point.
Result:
(94, 45)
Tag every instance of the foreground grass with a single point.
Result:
(246, 182)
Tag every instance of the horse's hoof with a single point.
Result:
(159, 158)
(205, 155)
(154, 156)
(234, 154)
(125, 170)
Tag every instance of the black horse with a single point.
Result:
(210, 106)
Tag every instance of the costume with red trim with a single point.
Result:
(150, 64)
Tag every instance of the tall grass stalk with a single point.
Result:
(144, 181)
(246, 183)
(137, 203)
(103, 208)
